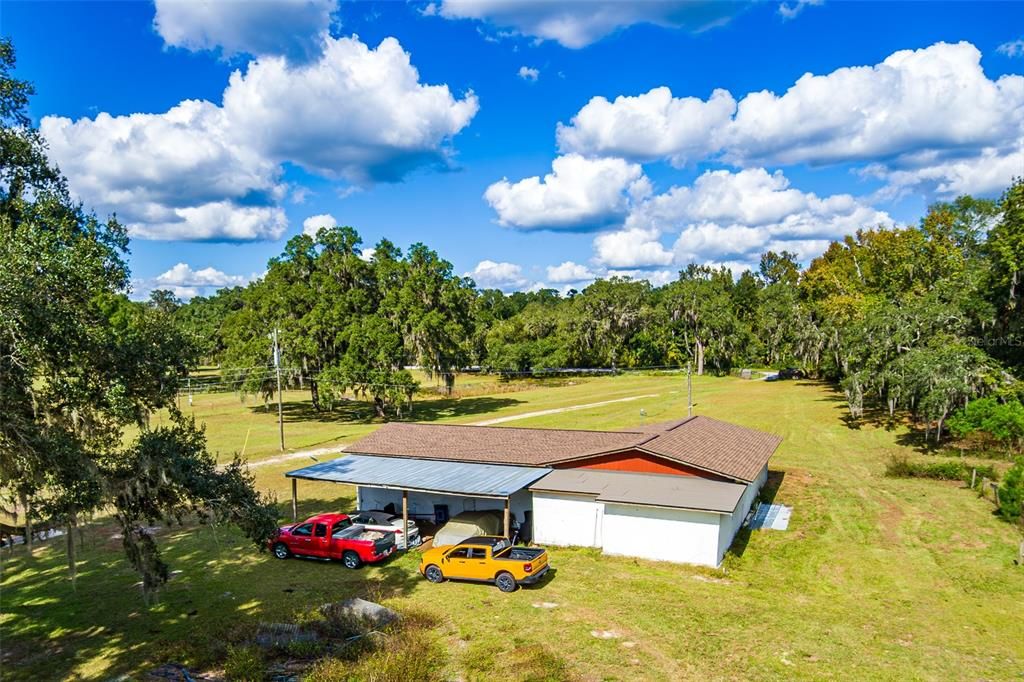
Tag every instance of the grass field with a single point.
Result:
(247, 426)
(877, 578)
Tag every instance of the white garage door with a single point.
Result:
(662, 534)
(566, 520)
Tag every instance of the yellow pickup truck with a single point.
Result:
(485, 558)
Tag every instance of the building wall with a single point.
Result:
(627, 530)
(662, 534)
(637, 462)
(567, 520)
(730, 524)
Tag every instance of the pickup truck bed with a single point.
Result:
(519, 554)
(333, 536)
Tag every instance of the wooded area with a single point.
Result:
(918, 320)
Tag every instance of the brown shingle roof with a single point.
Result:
(701, 442)
(661, 427)
(491, 444)
(717, 446)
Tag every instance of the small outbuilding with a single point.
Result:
(674, 491)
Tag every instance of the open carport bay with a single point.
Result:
(423, 506)
(418, 488)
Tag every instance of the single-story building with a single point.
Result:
(673, 491)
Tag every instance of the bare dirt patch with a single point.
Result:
(710, 579)
(890, 520)
(605, 634)
(302, 454)
(559, 410)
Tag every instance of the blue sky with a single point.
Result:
(215, 130)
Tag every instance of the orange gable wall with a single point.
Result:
(637, 462)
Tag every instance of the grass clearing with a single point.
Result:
(877, 578)
(246, 425)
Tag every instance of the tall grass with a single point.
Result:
(901, 466)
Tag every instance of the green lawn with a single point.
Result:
(877, 578)
(247, 426)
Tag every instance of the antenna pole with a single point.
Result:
(280, 408)
(689, 391)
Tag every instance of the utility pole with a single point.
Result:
(689, 390)
(280, 408)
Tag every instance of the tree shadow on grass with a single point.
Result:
(221, 590)
(914, 438)
(358, 411)
(872, 415)
(767, 496)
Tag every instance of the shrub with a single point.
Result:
(999, 422)
(1011, 493)
(244, 663)
(900, 466)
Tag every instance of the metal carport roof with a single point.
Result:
(401, 473)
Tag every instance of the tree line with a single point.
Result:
(917, 320)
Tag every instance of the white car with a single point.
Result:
(375, 519)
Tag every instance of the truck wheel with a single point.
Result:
(351, 560)
(506, 582)
(281, 551)
(433, 574)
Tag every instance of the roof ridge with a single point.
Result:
(658, 434)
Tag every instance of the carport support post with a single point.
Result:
(295, 499)
(507, 529)
(405, 518)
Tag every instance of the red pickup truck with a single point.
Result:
(333, 536)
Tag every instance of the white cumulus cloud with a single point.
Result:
(505, 276)
(792, 10)
(576, 24)
(657, 278)
(187, 282)
(356, 113)
(1013, 48)
(987, 172)
(569, 272)
(929, 117)
(937, 98)
(578, 194)
(631, 248)
(293, 28)
(176, 175)
(650, 126)
(312, 224)
(205, 172)
(529, 74)
(733, 216)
